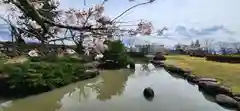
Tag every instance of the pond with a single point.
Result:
(120, 90)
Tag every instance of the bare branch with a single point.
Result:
(144, 3)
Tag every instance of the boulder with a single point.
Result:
(132, 65)
(197, 80)
(157, 62)
(214, 88)
(92, 72)
(226, 101)
(148, 92)
(109, 64)
(160, 65)
(159, 56)
(191, 78)
(237, 97)
(175, 69)
(91, 65)
(186, 74)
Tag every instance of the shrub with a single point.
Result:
(3, 56)
(55, 59)
(42, 75)
(117, 53)
(34, 74)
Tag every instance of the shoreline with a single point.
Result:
(211, 86)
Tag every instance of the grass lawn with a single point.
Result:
(229, 74)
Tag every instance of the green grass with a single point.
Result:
(229, 74)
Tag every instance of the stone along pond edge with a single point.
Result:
(223, 95)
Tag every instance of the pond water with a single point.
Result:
(120, 90)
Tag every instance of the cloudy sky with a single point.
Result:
(186, 19)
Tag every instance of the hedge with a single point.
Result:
(223, 58)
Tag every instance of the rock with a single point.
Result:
(90, 74)
(237, 97)
(92, 71)
(226, 101)
(132, 65)
(148, 93)
(197, 80)
(186, 74)
(159, 56)
(214, 88)
(160, 65)
(93, 64)
(157, 62)
(108, 64)
(191, 78)
(175, 69)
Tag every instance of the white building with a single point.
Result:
(149, 48)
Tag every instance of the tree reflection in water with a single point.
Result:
(144, 69)
(111, 83)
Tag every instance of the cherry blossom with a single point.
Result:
(33, 53)
(94, 17)
(70, 51)
(99, 56)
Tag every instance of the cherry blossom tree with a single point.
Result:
(45, 21)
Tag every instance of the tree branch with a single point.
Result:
(144, 3)
(32, 13)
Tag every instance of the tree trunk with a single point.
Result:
(79, 48)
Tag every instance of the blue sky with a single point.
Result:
(186, 19)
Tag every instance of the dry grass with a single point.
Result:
(229, 74)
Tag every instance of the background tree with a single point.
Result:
(207, 43)
(236, 46)
(160, 32)
(223, 47)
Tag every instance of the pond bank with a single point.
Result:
(229, 74)
(222, 95)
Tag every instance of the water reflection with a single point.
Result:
(144, 67)
(112, 84)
